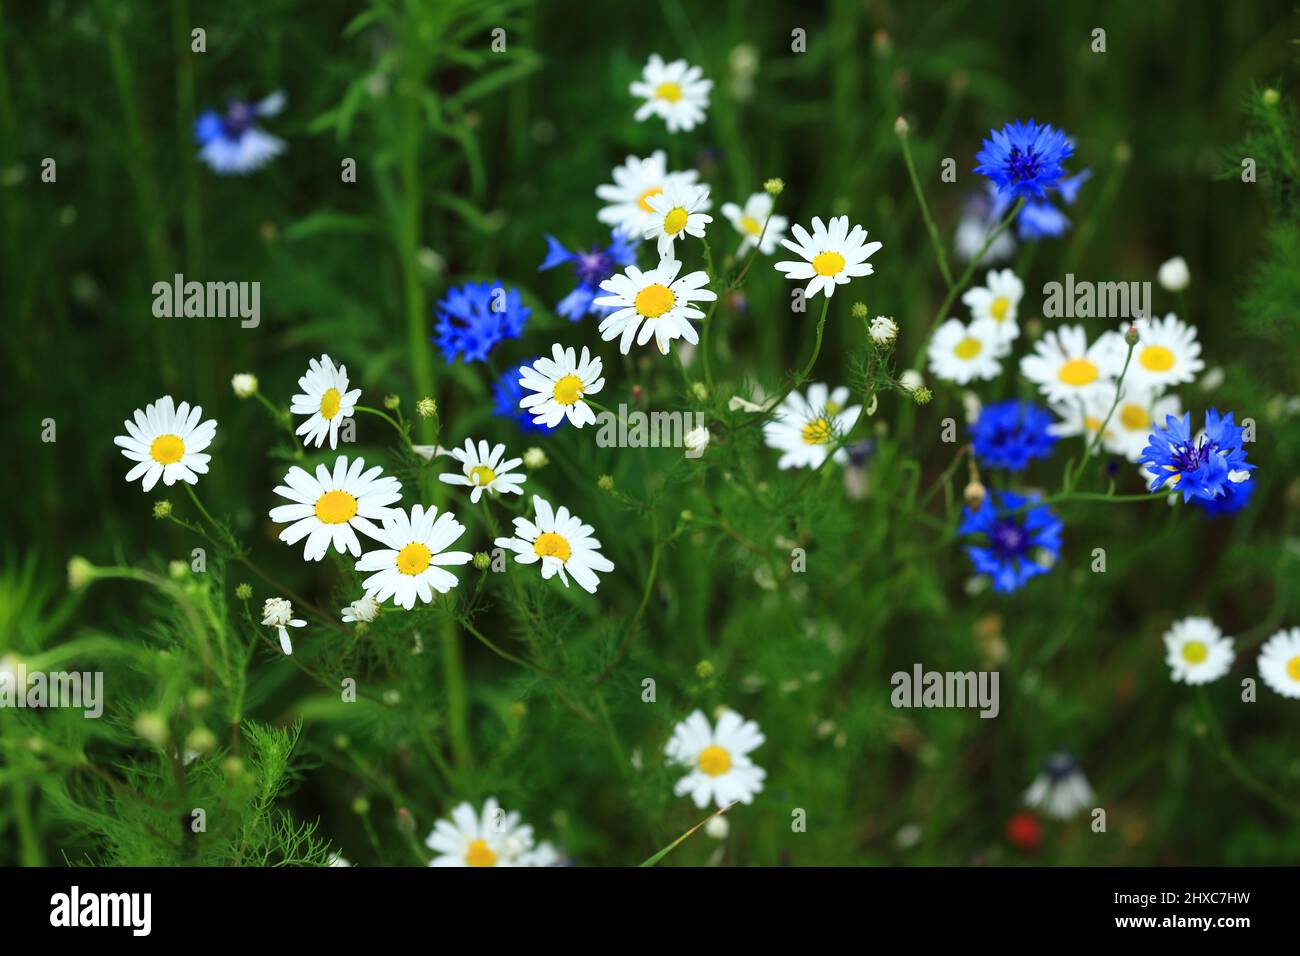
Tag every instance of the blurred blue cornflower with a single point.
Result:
(1039, 218)
(1009, 434)
(1236, 495)
(591, 268)
(234, 143)
(1203, 467)
(1019, 542)
(506, 395)
(475, 317)
(1025, 159)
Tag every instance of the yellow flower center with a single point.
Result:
(482, 474)
(1092, 424)
(715, 761)
(552, 545)
(968, 348)
(817, 432)
(413, 559)
(1293, 668)
(999, 308)
(336, 507)
(568, 390)
(750, 225)
(675, 221)
(668, 91)
(1077, 372)
(1194, 652)
(828, 263)
(644, 199)
(1156, 358)
(167, 449)
(1134, 418)
(329, 403)
(480, 854)
(654, 300)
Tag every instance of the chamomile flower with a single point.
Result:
(412, 564)
(1198, 651)
(832, 255)
(1279, 662)
(1201, 466)
(483, 470)
(1134, 419)
(1061, 790)
(561, 542)
(166, 441)
(1066, 368)
(325, 400)
(1083, 416)
(749, 222)
(805, 429)
(490, 838)
(331, 506)
(656, 303)
(234, 143)
(278, 613)
(1167, 353)
(361, 611)
(721, 770)
(636, 182)
(678, 212)
(558, 385)
(676, 92)
(997, 301)
(964, 353)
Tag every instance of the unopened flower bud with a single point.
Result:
(162, 509)
(974, 495)
(774, 187)
(426, 408)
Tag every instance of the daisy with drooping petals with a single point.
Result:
(361, 611)
(561, 542)
(676, 92)
(1279, 662)
(492, 838)
(721, 770)
(656, 302)
(805, 429)
(998, 301)
(832, 255)
(1198, 651)
(636, 182)
(558, 385)
(412, 564)
(1167, 353)
(678, 212)
(755, 220)
(964, 353)
(483, 470)
(328, 506)
(1135, 418)
(278, 613)
(166, 441)
(326, 401)
(1061, 790)
(1066, 368)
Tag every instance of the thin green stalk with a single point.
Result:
(904, 141)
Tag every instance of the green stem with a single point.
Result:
(905, 142)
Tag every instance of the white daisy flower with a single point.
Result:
(166, 441)
(832, 256)
(1167, 353)
(805, 429)
(1061, 790)
(278, 613)
(636, 182)
(412, 564)
(1136, 417)
(1065, 367)
(1198, 651)
(749, 223)
(1279, 662)
(328, 506)
(964, 353)
(1083, 416)
(656, 302)
(998, 300)
(721, 770)
(483, 470)
(561, 542)
(678, 211)
(361, 611)
(1173, 274)
(326, 401)
(559, 384)
(491, 838)
(676, 92)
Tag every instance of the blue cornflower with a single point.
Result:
(234, 143)
(506, 395)
(592, 268)
(475, 317)
(1025, 159)
(1008, 434)
(1201, 467)
(1039, 218)
(1018, 544)
(1236, 495)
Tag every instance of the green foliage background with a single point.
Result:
(475, 155)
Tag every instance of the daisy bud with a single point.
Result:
(704, 670)
(405, 820)
(700, 391)
(922, 395)
(605, 482)
(774, 187)
(426, 408)
(535, 458)
(80, 573)
(177, 570)
(973, 495)
(201, 740)
(900, 127)
(162, 509)
(1269, 97)
(391, 402)
(911, 380)
(1174, 275)
(1131, 336)
(859, 310)
(243, 591)
(883, 331)
(234, 769)
(687, 516)
(361, 806)
(244, 385)
(717, 827)
(482, 560)
(696, 441)
(152, 728)
(198, 699)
